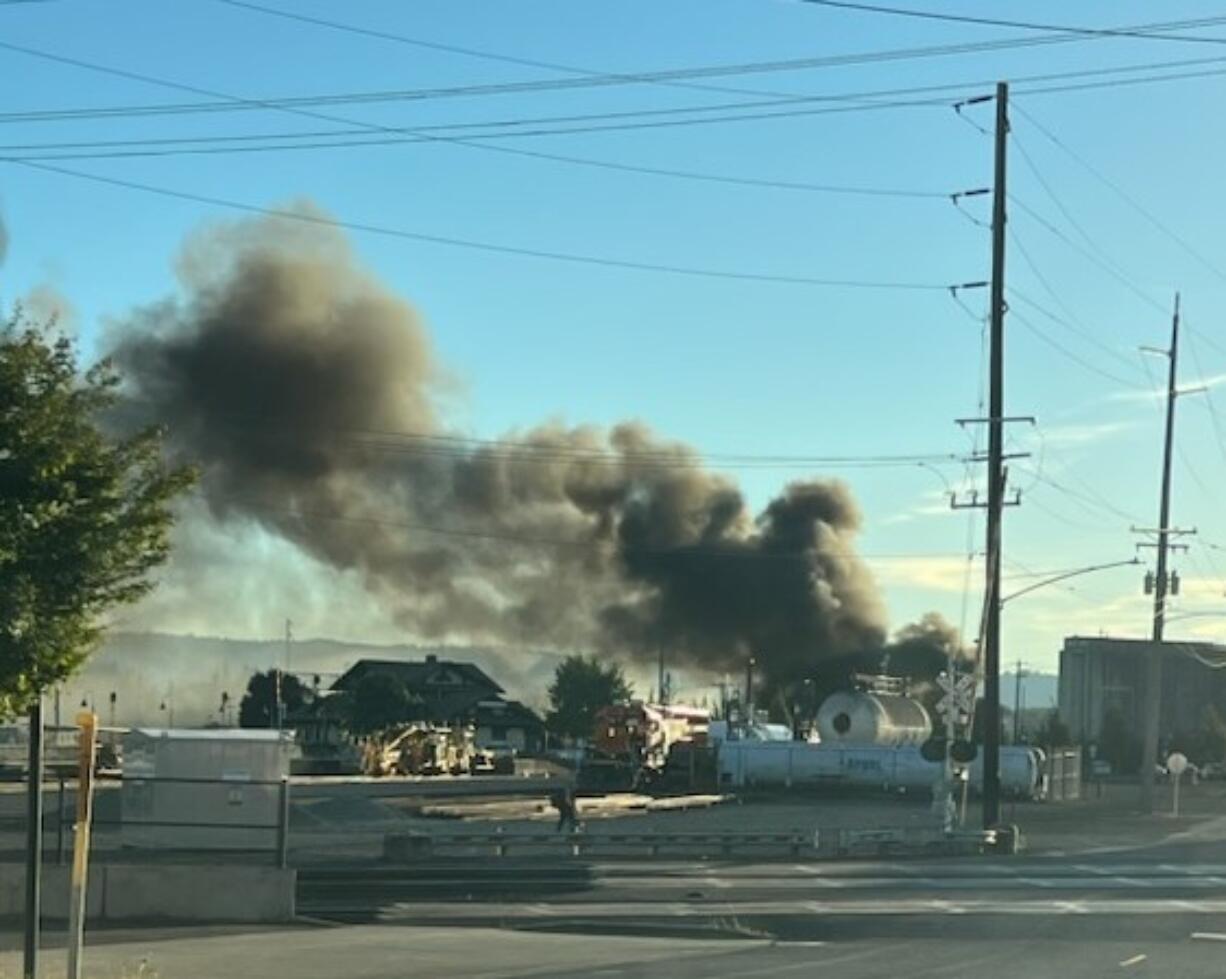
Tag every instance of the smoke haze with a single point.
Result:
(307, 393)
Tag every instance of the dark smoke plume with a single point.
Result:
(306, 391)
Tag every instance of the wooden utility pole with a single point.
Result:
(34, 842)
(1153, 662)
(996, 474)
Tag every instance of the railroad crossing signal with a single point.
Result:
(959, 699)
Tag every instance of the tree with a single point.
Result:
(258, 707)
(379, 702)
(580, 687)
(1053, 732)
(84, 512)
(1207, 742)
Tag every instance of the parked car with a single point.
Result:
(1213, 771)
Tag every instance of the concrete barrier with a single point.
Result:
(148, 892)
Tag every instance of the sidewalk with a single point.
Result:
(357, 952)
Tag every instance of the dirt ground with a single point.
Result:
(342, 824)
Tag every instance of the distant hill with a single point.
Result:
(189, 673)
(1038, 689)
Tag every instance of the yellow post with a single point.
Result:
(87, 720)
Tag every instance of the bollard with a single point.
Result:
(283, 825)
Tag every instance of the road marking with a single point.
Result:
(1035, 882)
(800, 944)
(1210, 936)
(717, 882)
(1133, 961)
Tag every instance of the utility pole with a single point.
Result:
(34, 842)
(1164, 532)
(997, 473)
(1017, 701)
(660, 685)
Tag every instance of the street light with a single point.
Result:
(1062, 576)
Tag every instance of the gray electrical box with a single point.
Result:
(203, 789)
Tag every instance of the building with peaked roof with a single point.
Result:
(453, 693)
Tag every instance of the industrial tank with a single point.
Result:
(858, 718)
(787, 764)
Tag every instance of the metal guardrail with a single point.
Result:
(409, 845)
(834, 842)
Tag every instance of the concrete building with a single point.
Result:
(1099, 674)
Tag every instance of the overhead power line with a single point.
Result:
(475, 134)
(468, 52)
(229, 104)
(512, 451)
(358, 124)
(1125, 32)
(1050, 227)
(1127, 198)
(1074, 357)
(454, 242)
(1069, 321)
(477, 140)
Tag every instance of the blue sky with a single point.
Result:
(730, 366)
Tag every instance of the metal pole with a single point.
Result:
(59, 825)
(996, 477)
(34, 842)
(661, 694)
(1153, 665)
(283, 824)
(1017, 701)
(86, 756)
(749, 692)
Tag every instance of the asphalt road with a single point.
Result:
(1153, 910)
(1157, 911)
(1101, 895)
(382, 952)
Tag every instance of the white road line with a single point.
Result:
(1135, 960)
(717, 882)
(1035, 882)
(1210, 936)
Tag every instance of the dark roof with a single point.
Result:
(454, 705)
(508, 712)
(420, 675)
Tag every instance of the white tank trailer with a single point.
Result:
(785, 764)
(885, 720)
(870, 740)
